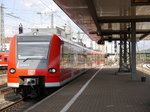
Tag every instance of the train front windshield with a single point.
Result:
(34, 47)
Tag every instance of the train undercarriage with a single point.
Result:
(31, 91)
(31, 87)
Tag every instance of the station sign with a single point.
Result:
(140, 2)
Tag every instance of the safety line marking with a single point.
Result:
(69, 104)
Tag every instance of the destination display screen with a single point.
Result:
(140, 2)
(33, 38)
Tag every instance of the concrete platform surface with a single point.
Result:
(99, 90)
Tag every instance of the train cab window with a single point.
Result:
(5, 59)
(33, 48)
(0, 56)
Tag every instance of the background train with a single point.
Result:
(38, 61)
(4, 60)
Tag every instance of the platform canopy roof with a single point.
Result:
(101, 19)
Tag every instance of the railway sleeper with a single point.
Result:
(5, 89)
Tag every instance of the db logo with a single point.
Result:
(31, 72)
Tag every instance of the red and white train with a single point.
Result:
(3, 60)
(38, 61)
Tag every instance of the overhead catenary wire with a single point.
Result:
(19, 18)
(27, 20)
(45, 4)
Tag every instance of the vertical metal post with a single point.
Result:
(1, 27)
(125, 48)
(129, 46)
(120, 59)
(133, 51)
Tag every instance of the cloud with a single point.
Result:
(28, 4)
(31, 4)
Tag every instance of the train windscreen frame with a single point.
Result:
(33, 47)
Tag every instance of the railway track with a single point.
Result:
(11, 106)
(7, 98)
(19, 105)
(3, 85)
(4, 89)
(148, 66)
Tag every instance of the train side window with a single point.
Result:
(0, 56)
(5, 59)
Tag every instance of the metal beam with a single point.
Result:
(124, 19)
(120, 54)
(118, 32)
(143, 36)
(142, 53)
(113, 39)
(92, 10)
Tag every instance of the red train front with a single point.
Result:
(38, 61)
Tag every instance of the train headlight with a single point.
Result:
(52, 70)
(35, 33)
(12, 70)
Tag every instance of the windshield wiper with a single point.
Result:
(26, 59)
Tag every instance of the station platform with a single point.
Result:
(99, 90)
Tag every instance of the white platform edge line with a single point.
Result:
(69, 104)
